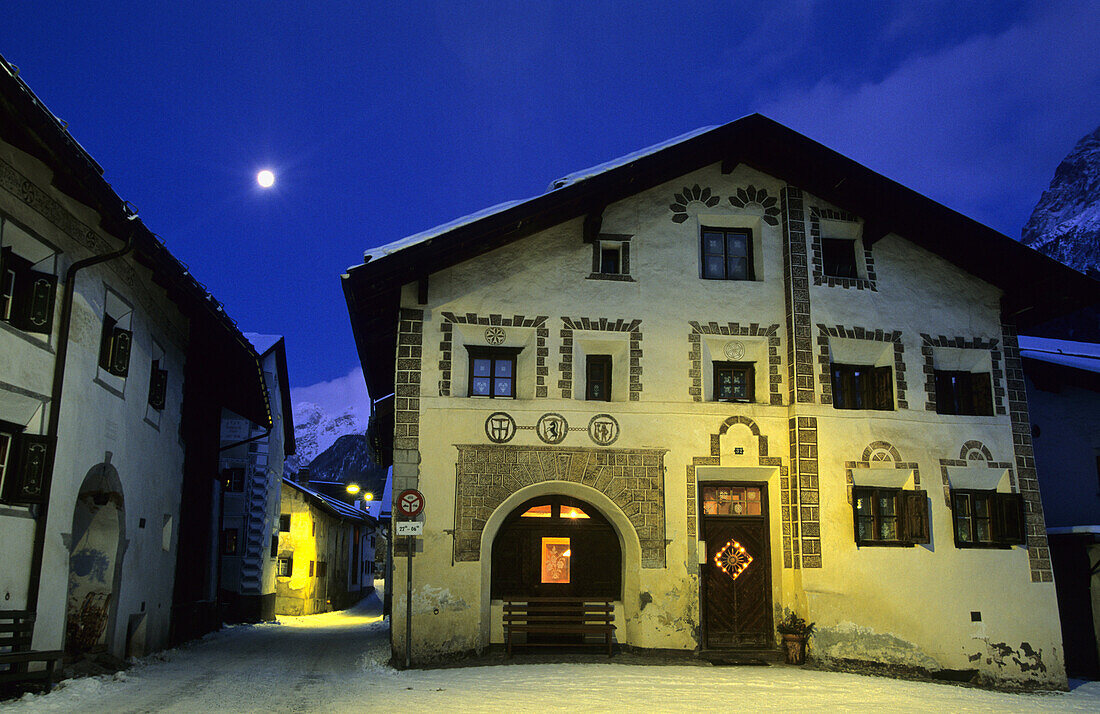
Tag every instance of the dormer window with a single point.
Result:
(611, 257)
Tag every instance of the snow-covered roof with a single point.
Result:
(598, 169)
(1079, 355)
(336, 506)
(575, 177)
(262, 343)
(1074, 530)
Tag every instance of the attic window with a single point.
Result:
(611, 258)
(838, 257)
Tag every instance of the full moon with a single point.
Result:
(265, 178)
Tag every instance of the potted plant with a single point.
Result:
(795, 632)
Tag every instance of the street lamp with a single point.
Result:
(352, 488)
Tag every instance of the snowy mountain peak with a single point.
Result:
(316, 429)
(1066, 222)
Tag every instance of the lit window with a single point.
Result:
(572, 512)
(733, 381)
(539, 512)
(555, 560)
(727, 254)
(731, 501)
(492, 372)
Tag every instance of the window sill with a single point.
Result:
(883, 544)
(989, 546)
(43, 344)
(834, 281)
(613, 277)
(111, 388)
(16, 511)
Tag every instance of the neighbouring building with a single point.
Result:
(252, 458)
(721, 378)
(325, 552)
(115, 365)
(1063, 394)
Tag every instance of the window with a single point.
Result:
(890, 516)
(229, 541)
(732, 501)
(284, 567)
(838, 257)
(234, 480)
(322, 569)
(597, 371)
(733, 381)
(311, 563)
(727, 254)
(492, 372)
(114, 350)
(987, 519)
(611, 258)
(274, 546)
(857, 386)
(23, 459)
(26, 295)
(284, 523)
(963, 393)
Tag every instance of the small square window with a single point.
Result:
(492, 372)
(727, 254)
(597, 377)
(234, 480)
(284, 567)
(733, 381)
(838, 257)
(611, 255)
(284, 523)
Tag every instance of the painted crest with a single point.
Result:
(552, 428)
(603, 429)
(500, 427)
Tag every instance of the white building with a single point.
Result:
(114, 361)
(721, 378)
(252, 458)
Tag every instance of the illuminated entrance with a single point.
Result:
(556, 546)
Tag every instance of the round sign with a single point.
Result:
(410, 503)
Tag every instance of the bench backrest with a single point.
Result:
(16, 630)
(564, 610)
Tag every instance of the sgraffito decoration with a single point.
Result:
(603, 429)
(494, 335)
(687, 196)
(500, 427)
(732, 558)
(752, 197)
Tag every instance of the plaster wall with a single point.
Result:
(909, 607)
(104, 419)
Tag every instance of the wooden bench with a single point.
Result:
(16, 655)
(559, 616)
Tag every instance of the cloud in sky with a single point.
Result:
(337, 395)
(978, 126)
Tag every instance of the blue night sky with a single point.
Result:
(385, 119)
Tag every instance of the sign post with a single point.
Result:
(410, 503)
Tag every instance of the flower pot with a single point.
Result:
(794, 648)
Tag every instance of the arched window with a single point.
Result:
(556, 546)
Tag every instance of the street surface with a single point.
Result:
(336, 662)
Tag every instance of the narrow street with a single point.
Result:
(336, 662)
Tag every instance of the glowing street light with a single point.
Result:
(352, 488)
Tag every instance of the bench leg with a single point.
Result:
(508, 641)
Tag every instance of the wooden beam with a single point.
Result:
(422, 290)
(593, 221)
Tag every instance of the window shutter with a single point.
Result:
(981, 394)
(914, 516)
(119, 361)
(882, 388)
(1008, 519)
(158, 387)
(36, 303)
(945, 396)
(25, 482)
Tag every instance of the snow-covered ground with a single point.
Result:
(336, 662)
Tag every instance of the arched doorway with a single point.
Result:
(94, 560)
(555, 545)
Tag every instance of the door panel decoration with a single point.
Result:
(732, 559)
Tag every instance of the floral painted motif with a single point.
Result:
(758, 197)
(688, 196)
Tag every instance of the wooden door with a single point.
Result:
(736, 578)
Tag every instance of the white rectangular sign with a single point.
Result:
(410, 528)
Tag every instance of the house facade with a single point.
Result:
(252, 459)
(325, 552)
(720, 379)
(1063, 392)
(106, 358)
